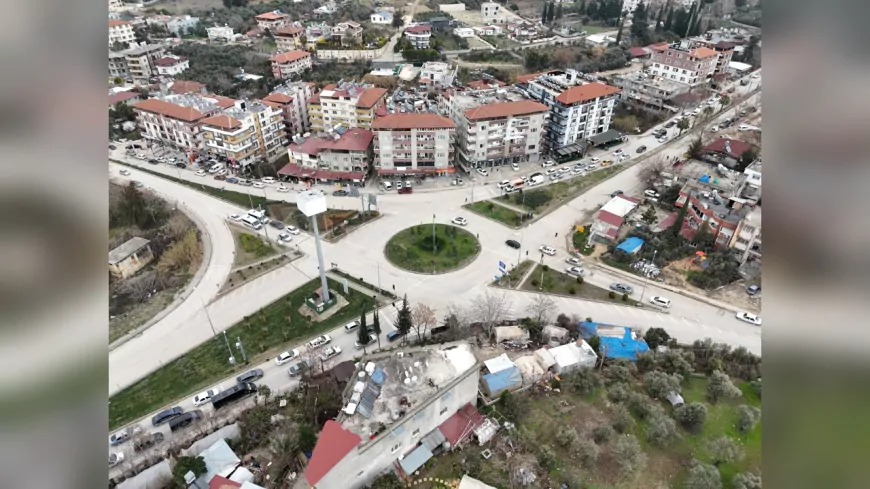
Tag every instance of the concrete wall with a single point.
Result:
(453, 7)
(351, 54)
(367, 461)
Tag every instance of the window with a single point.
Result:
(360, 473)
(443, 410)
(679, 55)
(415, 433)
(395, 448)
(532, 146)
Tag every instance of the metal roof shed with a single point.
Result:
(414, 460)
(499, 363)
(545, 358)
(494, 384)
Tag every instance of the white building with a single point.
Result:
(404, 406)
(747, 237)
(572, 356)
(292, 99)
(599, 39)
(182, 24)
(491, 12)
(681, 63)
(218, 33)
(288, 65)
(578, 109)
(419, 36)
(116, 5)
(175, 119)
(436, 74)
(349, 104)
(489, 30)
(171, 65)
(414, 144)
(245, 133)
(121, 31)
(382, 17)
(463, 31)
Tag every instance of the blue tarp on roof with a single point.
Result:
(415, 459)
(494, 384)
(704, 179)
(631, 245)
(612, 347)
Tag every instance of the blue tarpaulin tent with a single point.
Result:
(614, 346)
(494, 384)
(631, 245)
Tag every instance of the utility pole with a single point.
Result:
(541, 285)
(232, 357)
(207, 316)
(241, 348)
(379, 277)
(644, 282)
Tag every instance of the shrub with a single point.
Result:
(703, 476)
(534, 282)
(747, 418)
(583, 381)
(546, 457)
(720, 386)
(622, 419)
(724, 450)
(746, 480)
(567, 438)
(617, 392)
(692, 416)
(602, 434)
(628, 453)
(643, 406)
(546, 268)
(611, 294)
(588, 452)
(579, 280)
(661, 430)
(624, 297)
(572, 290)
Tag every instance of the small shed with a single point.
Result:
(499, 363)
(631, 245)
(573, 356)
(414, 460)
(494, 384)
(545, 358)
(530, 369)
(469, 482)
(515, 333)
(675, 399)
(554, 335)
(130, 257)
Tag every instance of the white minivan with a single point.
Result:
(252, 222)
(660, 301)
(387, 185)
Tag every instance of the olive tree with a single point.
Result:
(587, 451)
(661, 430)
(724, 450)
(703, 476)
(747, 418)
(622, 419)
(660, 384)
(691, 416)
(629, 455)
(746, 480)
(720, 387)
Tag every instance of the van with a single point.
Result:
(387, 185)
(184, 420)
(252, 222)
(257, 214)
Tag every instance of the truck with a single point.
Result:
(518, 183)
(536, 180)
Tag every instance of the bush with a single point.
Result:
(692, 416)
(746, 480)
(566, 438)
(724, 450)
(588, 452)
(622, 419)
(720, 386)
(624, 297)
(602, 434)
(579, 280)
(628, 454)
(546, 457)
(747, 418)
(703, 476)
(572, 290)
(618, 392)
(659, 384)
(583, 381)
(546, 268)
(643, 406)
(621, 371)
(611, 294)
(661, 430)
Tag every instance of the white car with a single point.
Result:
(662, 139)
(617, 152)
(285, 238)
(319, 341)
(407, 184)
(124, 172)
(460, 220)
(204, 397)
(201, 173)
(547, 163)
(259, 185)
(235, 217)
(115, 458)
(594, 160)
(749, 318)
(696, 111)
(551, 171)
(624, 156)
(515, 166)
(578, 171)
(331, 351)
(574, 271)
(547, 250)
(399, 185)
(714, 128)
(162, 159)
(222, 171)
(140, 156)
(660, 301)
(482, 172)
(504, 183)
(286, 357)
(651, 193)
(283, 188)
(214, 168)
(292, 230)
(269, 180)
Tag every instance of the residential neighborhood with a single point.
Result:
(409, 244)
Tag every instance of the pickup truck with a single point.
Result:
(319, 341)
(330, 352)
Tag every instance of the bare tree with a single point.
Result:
(490, 308)
(459, 320)
(652, 169)
(423, 319)
(141, 286)
(540, 309)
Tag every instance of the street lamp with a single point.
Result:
(541, 285)
(644, 282)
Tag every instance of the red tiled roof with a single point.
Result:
(484, 84)
(271, 16)
(220, 482)
(167, 61)
(668, 221)
(352, 140)
(637, 51)
(530, 77)
(418, 29)
(290, 56)
(222, 121)
(504, 109)
(116, 23)
(315, 99)
(702, 52)
(122, 97)
(278, 97)
(413, 121)
(585, 93)
(736, 146)
(381, 111)
(182, 86)
(459, 426)
(332, 445)
(289, 30)
(612, 232)
(222, 102)
(186, 114)
(609, 218)
(370, 97)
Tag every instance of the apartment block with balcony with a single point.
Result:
(749, 187)
(683, 63)
(578, 109)
(647, 91)
(174, 120)
(142, 62)
(348, 33)
(272, 20)
(418, 36)
(172, 65)
(289, 37)
(501, 133)
(414, 144)
(290, 64)
(292, 99)
(345, 157)
(245, 133)
(722, 214)
(347, 104)
(118, 65)
(121, 31)
(747, 238)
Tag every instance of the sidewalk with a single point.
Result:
(357, 287)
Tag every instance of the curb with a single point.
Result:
(469, 209)
(336, 239)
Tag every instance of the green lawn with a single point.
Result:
(492, 210)
(558, 282)
(500, 42)
(580, 239)
(542, 200)
(416, 249)
(250, 248)
(264, 334)
(514, 275)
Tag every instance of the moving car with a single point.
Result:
(670, 124)
(547, 250)
(204, 397)
(296, 369)
(406, 190)
(166, 415)
(200, 173)
(185, 420)
(515, 166)
(329, 352)
(660, 301)
(222, 171)
(285, 238)
(513, 244)
(624, 157)
(617, 152)
(504, 184)
(339, 193)
(394, 335)
(372, 338)
(124, 172)
(115, 458)
(276, 224)
(482, 172)
(351, 326)
(214, 168)
(268, 180)
(259, 185)
(574, 271)
(286, 357)
(292, 230)
(283, 188)
(124, 435)
(460, 220)
(621, 288)
(250, 375)
(232, 180)
(573, 261)
(641, 149)
(319, 341)
(594, 160)
(749, 318)
(235, 217)
(651, 193)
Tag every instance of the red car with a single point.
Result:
(406, 190)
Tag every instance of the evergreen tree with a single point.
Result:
(363, 333)
(582, 11)
(640, 25)
(621, 27)
(544, 13)
(559, 12)
(678, 224)
(403, 319)
(669, 21)
(376, 327)
(659, 19)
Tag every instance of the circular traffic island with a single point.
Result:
(418, 249)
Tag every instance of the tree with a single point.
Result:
(183, 465)
(587, 451)
(720, 386)
(747, 418)
(628, 454)
(691, 416)
(724, 450)
(708, 111)
(660, 385)
(746, 480)
(540, 308)
(683, 124)
(566, 438)
(283, 448)
(652, 169)
(423, 318)
(594, 342)
(659, 18)
(621, 371)
(724, 100)
(640, 25)
(387, 481)
(703, 238)
(696, 148)
(583, 381)
(398, 18)
(490, 308)
(746, 159)
(602, 434)
(622, 20)
(655, 337)
(376, 327)
(363, 332)
(618, 392)
(643, 406)
(649, 216)
(661, 430)
(621, 418)
(559, 11)
(403, 319)
(669, 21)
(703, 476)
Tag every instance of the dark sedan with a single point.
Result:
(340, 193)
(621, 288)
(164, 416)
(276, 224)
(641, 149)
(513, 244)
(249, 376)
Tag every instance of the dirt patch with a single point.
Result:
(735, 294)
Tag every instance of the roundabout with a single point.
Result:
(432, 248)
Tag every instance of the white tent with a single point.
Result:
(573, 356)
(530, 369)
(515, 333)
(545, 358)
(468, 482)
(499, 363)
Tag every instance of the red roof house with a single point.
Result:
(333, 444)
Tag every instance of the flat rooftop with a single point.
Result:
(693, 170)
(387, 387)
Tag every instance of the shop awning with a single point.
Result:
(415, 459)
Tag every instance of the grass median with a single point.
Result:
(542, 200)
(496, 212)
(513, 277)
(263, 333)
(557, 282)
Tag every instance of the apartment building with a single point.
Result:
(419, 36)
(289, 37)
(490, 12)
(496, 133)
(436, 75)
(683, 63)
(245, 133)
(292, 99)
(116, 5)
(272, 20)
(414, 144)
(141, 62)
(349, 104)
(722, 214)
(411, 404)
(578, 109)
(121, 31)
(747, 237)
(348, 33)
(171, 65)
(117, 65)
(290, 64)
(650, 92)
(218, 33)
(337, 157)
(748, 188)
(175, 119)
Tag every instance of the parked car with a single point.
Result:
(329, 352)
(641, 149)
(670, 124)
(124, 435)
(651, 193)
(249, 376)
(662, 139)
(286, 357)
(753, 289)
(166, 415)
(296, 369)
(621, 288)
(372, 338)
(124, 171)
(268, 180)
(185, 420)
(292, 230)
(460, 221)
(232, 180)
(574, 271)
(276, 224)
(351, 326)
(515, 166)
(319, 341)
(339, 193)
(749, 318)
(483, 172)
(594, 160)
(394, 335)
(283, 188)
(547, 250)
(406, 190)
(573, 261)
(200, 173)
(235, 217)
(547, 163)
(259, 185)
(205, 396)
(115, 458)
(399, 185)
(285, 238)
(617, 153)
(147, 441)
(660, 301)
(615, 193)
(513, 244)
(220, 177)
(180, 164)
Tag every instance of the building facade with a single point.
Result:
(348, 33)
(171, 65)
(419, 36)
(343, 157)
(118, 65)
(130, 257)
(292, 99)
(414, 143)
(348, 104)
(245, 133)
(747, 237)
(491, 12)
(501, 133)
(121, 31)
(289, 37)
(141, 62)
(647, 91)
(175, 119)
(272, 20)
(384, 17)
(683, 63)
(218, 33)
(722, 215)
(291, 64)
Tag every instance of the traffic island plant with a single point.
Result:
(514, 276)
(420, 249)
(580, 239)
(264, 334)
(556, 282)
(496, 212)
